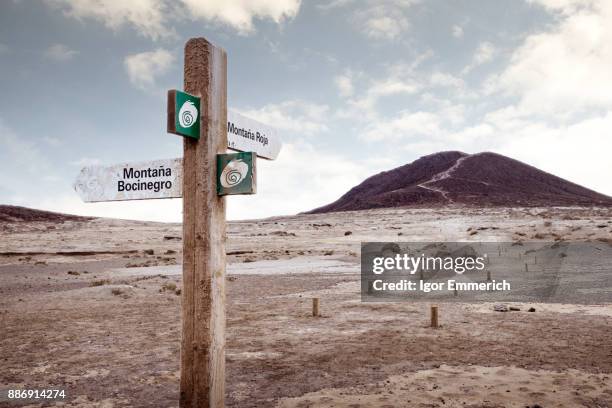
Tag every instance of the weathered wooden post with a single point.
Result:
(434, 316)
(203, 301)
(315, 307)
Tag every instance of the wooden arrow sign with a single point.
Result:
(248, 135)
(131, 181)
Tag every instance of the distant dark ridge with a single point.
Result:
(11, 213)
(482, 179)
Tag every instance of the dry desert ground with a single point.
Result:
(93, 307)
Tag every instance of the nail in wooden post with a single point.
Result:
(315, 307)
(203, 301)
(434, 316)
(526, 269)
(489, 275)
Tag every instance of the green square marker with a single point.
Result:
(236, 173)
(183, 114)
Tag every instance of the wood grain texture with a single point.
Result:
(434, 316)
(204, 233)
(171, 112)
(315, 307)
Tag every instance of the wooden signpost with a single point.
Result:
(203, 178)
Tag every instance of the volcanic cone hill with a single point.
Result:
(482, 179)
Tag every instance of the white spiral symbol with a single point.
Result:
(233, 177)
(233, 173)
(187, 114)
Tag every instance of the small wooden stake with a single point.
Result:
(315, 307)
(526, 269)
(434, 316)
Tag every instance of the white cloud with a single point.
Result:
(24, 154)
(52, 141)
(400, 79)
(444, 79)
(484, 53)
(478, 134)
(297, 116)
(147, 16)
(410, 126)
(344, 83)
(565, 69)
(566, 7)
(382, 20)
(385, 27)
(363, 106)
(154, 18)
(59, 53)
(86, 161)
(393, 86)
(333, 4)
(457, 31)
(407, 125)
(144, 67)
(239, 14)
(578, 152)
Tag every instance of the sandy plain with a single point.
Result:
(94, 308)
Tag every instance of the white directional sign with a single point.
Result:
(248, 135)
(131, 181)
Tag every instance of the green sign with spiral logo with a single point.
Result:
(236, 173)
(183, 114)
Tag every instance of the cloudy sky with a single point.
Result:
(354, 87)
